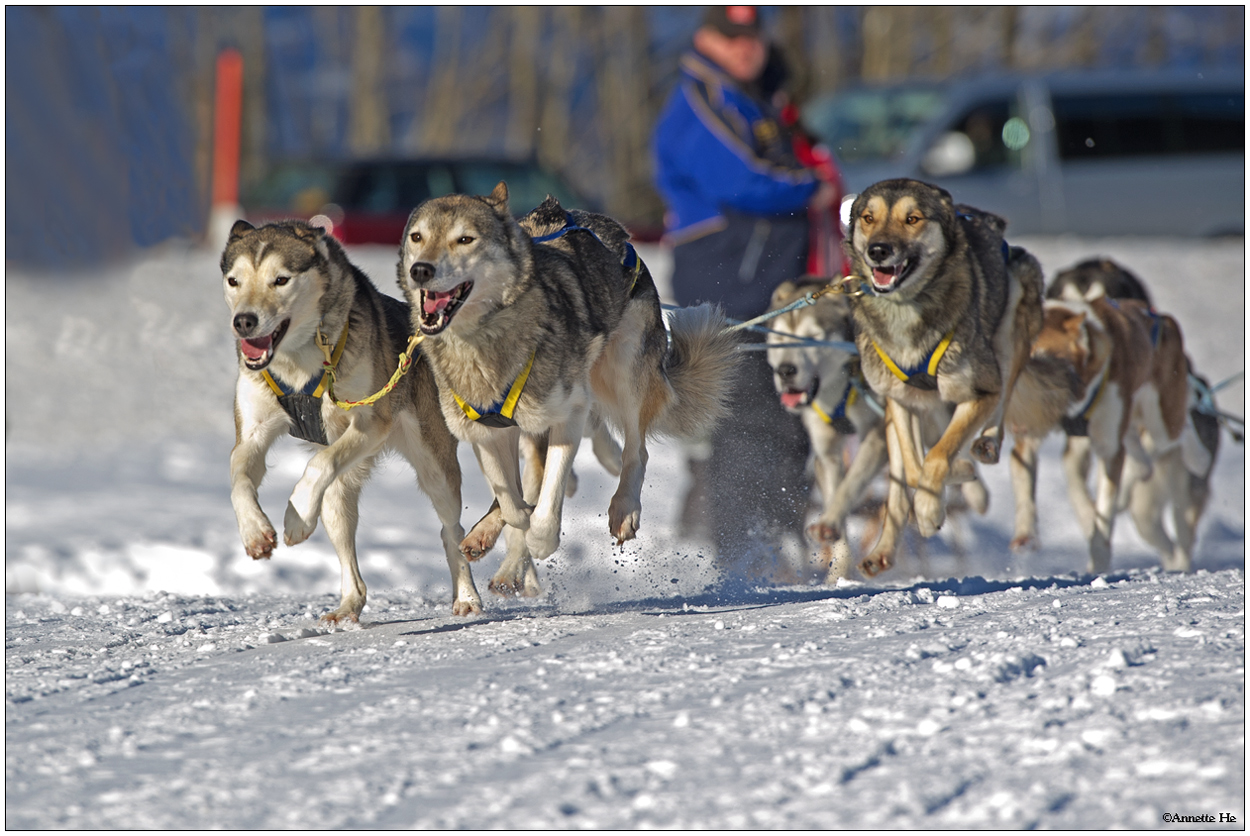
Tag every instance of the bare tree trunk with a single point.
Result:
(1011, 25)
(526, 27)
(827, 64)
(887, 42)
(791, 37)
(443, 99)
(1085, 40)
(623, 105)
(553, 139)
(369, 131)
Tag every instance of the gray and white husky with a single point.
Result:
(535, 327)
(825, 388)
(289, 287)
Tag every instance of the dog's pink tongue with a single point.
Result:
(255, 349)
(435, 301)
(883, 277)
(792, 399)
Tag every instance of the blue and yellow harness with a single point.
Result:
(499, 414)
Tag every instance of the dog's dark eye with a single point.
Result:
(232, 281)
(415, 237)
(914, 219)
(465, 239)
(866, 217)
(281, 280)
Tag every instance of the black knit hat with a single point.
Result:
(733, 21)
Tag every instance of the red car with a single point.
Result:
(368, 201)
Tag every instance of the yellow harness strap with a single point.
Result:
(930, 368)
(506, 408)
(327, 371)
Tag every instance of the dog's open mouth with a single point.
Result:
(437, 308)
(258, 351)
(887, 278)
(795, 398)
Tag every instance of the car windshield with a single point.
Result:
(872, 125)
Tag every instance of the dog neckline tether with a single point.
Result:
(499, 414)
(924, 374)
(316, 386)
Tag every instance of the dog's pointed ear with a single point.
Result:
(1073, 323)
(782, 291)
(240, 227)
(308, 232)
(499, 196)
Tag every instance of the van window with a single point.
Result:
(986, 137)
(1149, 124)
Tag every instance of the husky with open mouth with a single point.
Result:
(534, 328)
(297, 305)
(945, 315)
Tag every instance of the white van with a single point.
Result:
(1111, 153)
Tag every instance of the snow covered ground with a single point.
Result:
(156, 677)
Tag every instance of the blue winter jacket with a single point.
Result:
(717, 149)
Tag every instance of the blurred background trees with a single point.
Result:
(109, 111)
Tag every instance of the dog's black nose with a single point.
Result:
(787, 370)
(421, 272)
(244, 323)
(880, 252)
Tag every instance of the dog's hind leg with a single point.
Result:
(1023, 465)
(1076, 460)
(339, 514)
(1104, 513)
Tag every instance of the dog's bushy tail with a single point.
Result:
(700, 369)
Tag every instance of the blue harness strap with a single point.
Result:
(631, 261)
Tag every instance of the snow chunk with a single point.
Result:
(948, 602)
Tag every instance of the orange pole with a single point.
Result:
(227, 128)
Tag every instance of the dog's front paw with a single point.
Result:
(624, 518)
(347, 614)
(1024, 543)
(543, 537)
(482, 537)
(260, 540)
(524, 585)
(467, 606)
(824, 532)
(930, 510)
(876, 563)
(986, 450)
(296, 529)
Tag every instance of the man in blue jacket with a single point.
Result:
(737, 221)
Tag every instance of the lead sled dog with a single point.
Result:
(290, 285)
(531, 329)
(945, 314)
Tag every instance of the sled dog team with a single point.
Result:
(521, 337)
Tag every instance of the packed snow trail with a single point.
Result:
(157, 678)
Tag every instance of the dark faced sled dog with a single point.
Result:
(1128, 402)
(296, 304)
(533, 328)
(945, 314)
